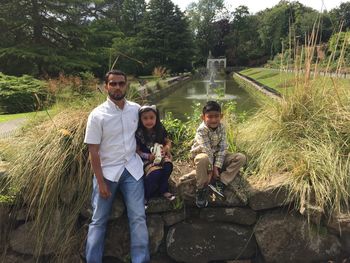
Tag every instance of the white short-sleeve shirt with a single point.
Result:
(114, 130)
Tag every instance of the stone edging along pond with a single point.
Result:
(174, 83)
(258, 86)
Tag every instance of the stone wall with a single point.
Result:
(173, 84)
(253, 223)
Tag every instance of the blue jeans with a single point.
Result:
(133, 192)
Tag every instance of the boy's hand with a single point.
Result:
(216, 173)
(210, 176)
(151, 157)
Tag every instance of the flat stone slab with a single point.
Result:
(201, 242)
(238, 215)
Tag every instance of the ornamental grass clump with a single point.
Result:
(52, 178)
(306, 137)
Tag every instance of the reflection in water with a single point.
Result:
(211, 97)
(182, 101)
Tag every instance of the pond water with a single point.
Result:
(183, 100)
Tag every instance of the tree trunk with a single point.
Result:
(37, 23)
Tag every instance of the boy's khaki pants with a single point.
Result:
(232, 163)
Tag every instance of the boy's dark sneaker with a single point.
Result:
(202, 197)
(218, 187)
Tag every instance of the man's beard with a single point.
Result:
(116, 96)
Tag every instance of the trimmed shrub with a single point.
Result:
(21, 94)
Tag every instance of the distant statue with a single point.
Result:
(143, 89)
(212, 78)
(212, 83)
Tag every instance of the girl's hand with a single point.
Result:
(165, 150)
(151, 157)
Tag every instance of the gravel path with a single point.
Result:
(9, 127)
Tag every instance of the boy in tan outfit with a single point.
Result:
(215, 166)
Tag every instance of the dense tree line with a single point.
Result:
(46, 37)
(252, 39)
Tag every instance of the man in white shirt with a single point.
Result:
(110, 135)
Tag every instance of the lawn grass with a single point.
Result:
(28, 115)
(285, 82)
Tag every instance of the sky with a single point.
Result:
(258, 5)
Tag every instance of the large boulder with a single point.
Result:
(340, 222)
(268, 194)
(239, 215)
(171, 218)
(161, 204)
(290, 238)
(4, 224)
(18, 259)
(340, 225)
(204, 242)
(117, 243)
(24, 241)
(186, 188)
(155, 227)
(118, 208)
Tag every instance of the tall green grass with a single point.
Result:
(51, 177)
(306, 136)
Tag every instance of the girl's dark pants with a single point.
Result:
(156, 183)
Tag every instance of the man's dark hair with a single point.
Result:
(114, 72)
(211, 106)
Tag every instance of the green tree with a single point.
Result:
(128, 51)
(274, 27)
(339, 45)
(101, 36)
(43, 37)
(165, 37)
(132, 14)
(202, 16)
(243, 43)
(341, 15)
(286, 20)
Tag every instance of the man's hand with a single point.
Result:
(104, 190)
(96, 167)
